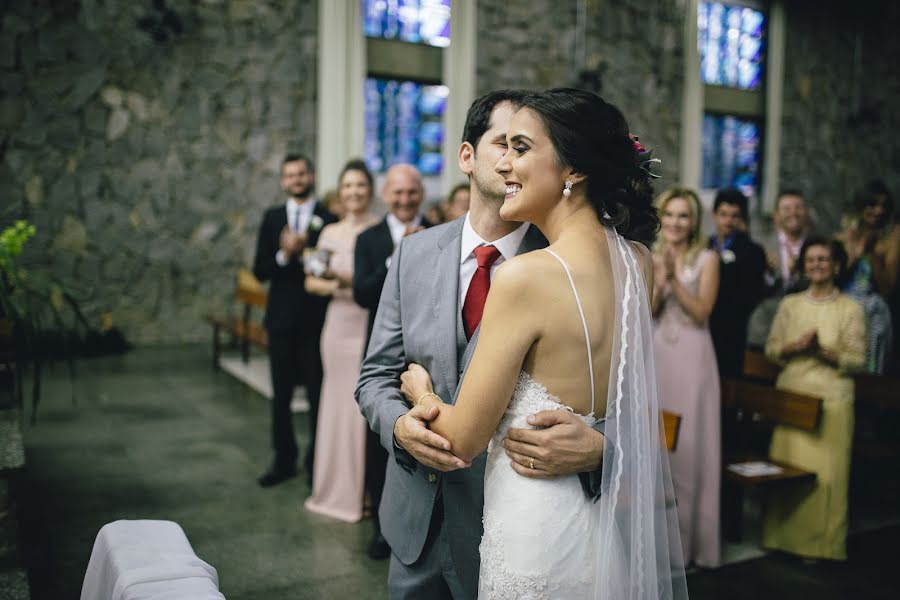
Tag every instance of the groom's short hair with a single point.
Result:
(478, 119)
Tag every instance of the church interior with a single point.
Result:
(142, 143)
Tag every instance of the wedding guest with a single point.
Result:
(741, 283)
(435, 213)
(294, 318)
(687, 279)
(872, 243)
(402, 194)
(819, 337)
(792, 226)
(332, 202)
(339, 480)
(457, 203)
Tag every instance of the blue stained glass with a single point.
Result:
(731, 153)
(403, 124)
(415, 21)
(430, 163)
(731, 41)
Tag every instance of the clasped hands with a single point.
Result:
(560, 444)
(808, 343)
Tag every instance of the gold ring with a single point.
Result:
(531, 463)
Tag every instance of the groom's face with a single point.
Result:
(491, 148)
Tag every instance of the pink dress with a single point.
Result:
(340, 463)
(688, 379)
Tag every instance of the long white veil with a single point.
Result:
(640, 554)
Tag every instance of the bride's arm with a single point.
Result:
(509, 327)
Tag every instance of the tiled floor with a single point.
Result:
(157, 434)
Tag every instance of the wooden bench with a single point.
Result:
(877, 411)
(244, 329)
(876, 408)
(759, 368)
(750, 411)
(671, 427)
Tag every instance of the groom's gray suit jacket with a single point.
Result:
(419, 320)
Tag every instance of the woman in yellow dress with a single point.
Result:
(819, 336)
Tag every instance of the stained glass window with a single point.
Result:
(403, 124)
(731, 153)
(416, 21)
(731, 40)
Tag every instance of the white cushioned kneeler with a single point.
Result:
(147, 560)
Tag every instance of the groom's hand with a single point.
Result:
(412, 434)
(562, 445)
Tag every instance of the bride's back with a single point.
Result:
(558, 360)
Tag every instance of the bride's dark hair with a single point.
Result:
(591, 136)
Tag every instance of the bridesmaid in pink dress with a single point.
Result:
(339, 471)
(687, 280)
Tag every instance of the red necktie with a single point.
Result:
(473, 307)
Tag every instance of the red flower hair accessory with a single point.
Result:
(643, 157)
(636, 144)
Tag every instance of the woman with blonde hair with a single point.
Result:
(686, 283)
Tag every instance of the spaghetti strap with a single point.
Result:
(587, 337)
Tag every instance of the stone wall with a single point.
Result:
(144, 148)
(633, 50)
(841, 95)
(145, 154)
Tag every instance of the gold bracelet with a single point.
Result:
(423, 396)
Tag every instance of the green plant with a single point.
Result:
(40, 311)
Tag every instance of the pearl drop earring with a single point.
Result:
(568, 191)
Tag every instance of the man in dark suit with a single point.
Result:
(741, 281)
(294, 319)
(402, 194)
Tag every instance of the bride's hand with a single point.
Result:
(415, 382)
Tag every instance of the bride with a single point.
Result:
(568, 328)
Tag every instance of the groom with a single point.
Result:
(432, 504)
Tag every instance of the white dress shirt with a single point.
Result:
(398, 227)
(305, 211)
(508, 246)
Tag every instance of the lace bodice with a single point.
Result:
(526, 520)
(529, 397)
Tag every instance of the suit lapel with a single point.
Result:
(385, 242)
(445, 287)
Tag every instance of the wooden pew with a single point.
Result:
(671, 426)
(750, 411)
(877, 411)
(759, 368)
(243, 328)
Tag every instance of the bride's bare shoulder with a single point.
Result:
(524, 271)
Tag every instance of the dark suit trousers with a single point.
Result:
(376, 466)
(294, 359)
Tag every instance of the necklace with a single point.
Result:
(832, 296)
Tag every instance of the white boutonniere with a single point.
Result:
(728, 256)
(316, 223)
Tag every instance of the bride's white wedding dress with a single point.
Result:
(545, 539)
(540, 535)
